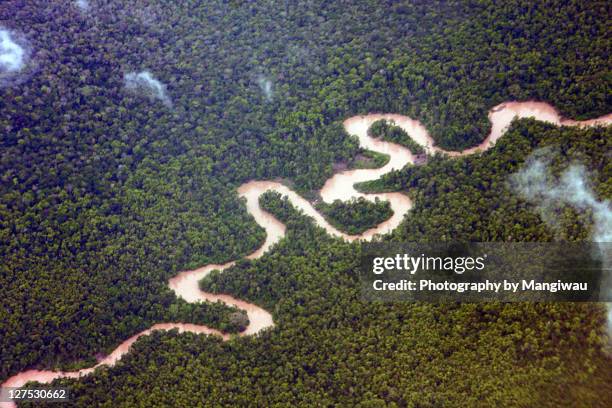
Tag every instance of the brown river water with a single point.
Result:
(339, 186)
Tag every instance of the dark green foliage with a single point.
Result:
(477, 204)
(368, 159)
(104, 195)
(331, 347)
(357, 215)
(389, 131)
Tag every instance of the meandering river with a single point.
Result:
(340, 186)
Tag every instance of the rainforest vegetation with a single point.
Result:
(105, 194)
(329, 346)
(390, 132)
(368, 159)
(357, 215)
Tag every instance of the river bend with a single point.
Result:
(338, 187)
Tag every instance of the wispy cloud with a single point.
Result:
(12, 55)
(144, 82)
(535, 183)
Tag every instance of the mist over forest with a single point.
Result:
(127, 128)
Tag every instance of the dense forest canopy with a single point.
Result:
(108, 190)
(390, 132)
(357, 215)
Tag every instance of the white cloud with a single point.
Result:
(82, 4)
(265, 85)
(145, 82)
(12, 55)
(534, 182)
